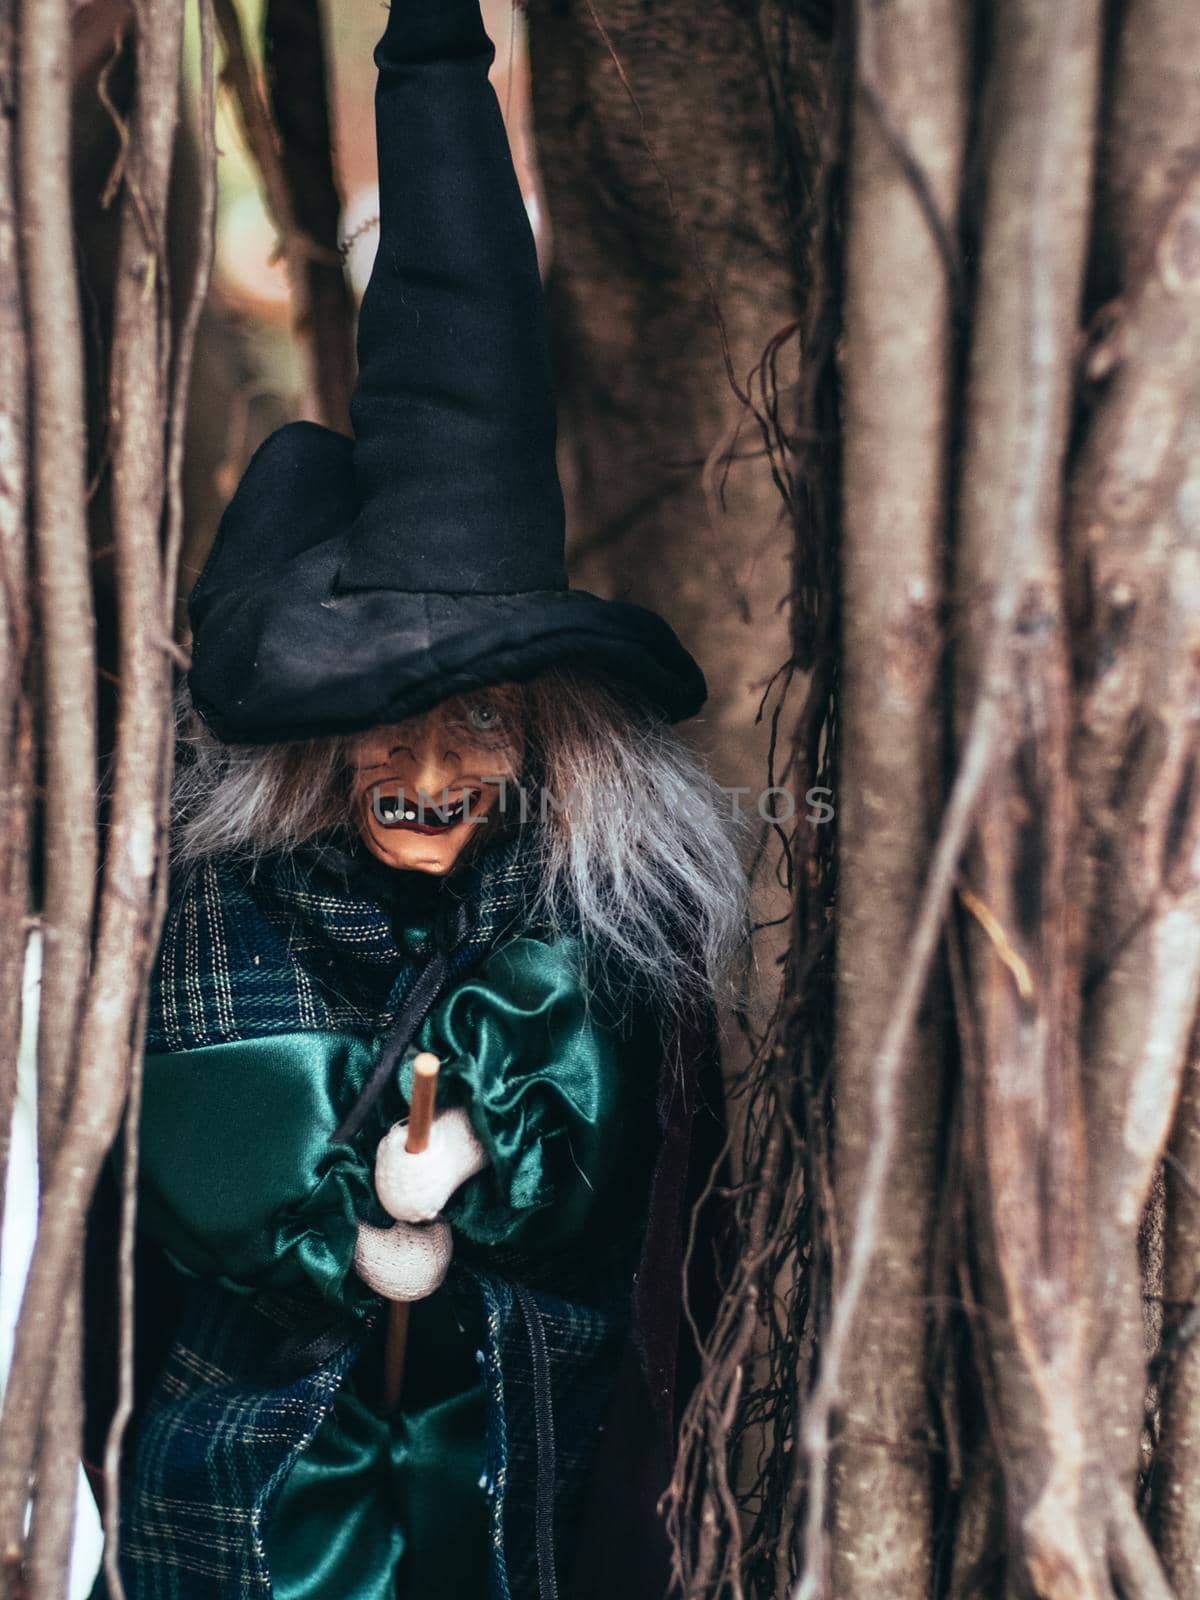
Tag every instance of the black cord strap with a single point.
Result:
(451, 935)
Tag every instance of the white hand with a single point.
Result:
(403, 1263)
(416, 1188)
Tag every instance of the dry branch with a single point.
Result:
(64, 592)
(1037, 396)
(1121, 530)
(127, 927)
(898, 368)
(1176, 1508)
(1131, 1556)
(180, 390)
(68, 663)
(53, 1520)
(1077, 766)
(1139, 772)
(16, 734)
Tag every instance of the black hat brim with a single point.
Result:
(282, 650)
(268, 667)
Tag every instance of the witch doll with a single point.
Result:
(428, 804)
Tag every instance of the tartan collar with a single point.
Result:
(319, 939)
(350, 900)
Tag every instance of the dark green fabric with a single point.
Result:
(534, 1058)
(239, 1183)
(382, 1507)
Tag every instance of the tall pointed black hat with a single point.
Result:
(355, 582)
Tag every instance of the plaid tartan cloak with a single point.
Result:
(248, 1379)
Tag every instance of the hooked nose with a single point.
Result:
(435, 765)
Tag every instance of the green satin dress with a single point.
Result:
(240, 1183)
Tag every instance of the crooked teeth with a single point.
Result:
(389, 811)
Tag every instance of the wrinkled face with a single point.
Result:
(423, 788)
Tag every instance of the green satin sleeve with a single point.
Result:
(238, 1179)
(546, 1073)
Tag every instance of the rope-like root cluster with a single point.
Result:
(955, 1352)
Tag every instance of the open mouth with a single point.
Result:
(397, 811)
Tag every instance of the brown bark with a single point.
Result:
(1177, 1459)
(1134, 539)
(677, 243)
(1014, 685)
(1122, 529)
(179, 408)
(147, 410)
(127, 927)
(1074, 647)
(1146, 934)
(1150, 141)
(310, 261)
(16, 737)
(297, 77)
(982, 746)
(63, 575)
(897, 363)
(1131, 466)
(202, 257)
(1025, 1096)
(1132, 1558)
(54, 1501)
(660, 219)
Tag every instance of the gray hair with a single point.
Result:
(637, 846)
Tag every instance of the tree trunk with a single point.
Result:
(1070, 830)
(897, 343)
(1025, 1092)
(676, 243)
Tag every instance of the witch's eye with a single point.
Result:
(484, 717)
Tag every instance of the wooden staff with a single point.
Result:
(420, 1124)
